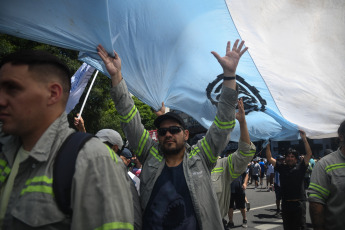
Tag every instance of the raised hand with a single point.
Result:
(240, 115)
(302, 134)
(113, 64)
(161, 111)
(79, 123)
(232, 56)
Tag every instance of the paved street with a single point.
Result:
(262, 212)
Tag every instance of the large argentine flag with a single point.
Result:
(291, 77)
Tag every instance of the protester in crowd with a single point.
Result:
(262, 171)
(269, 177)
(256, 172)
(292, 185)
(114, 141)
(237, 201)
(326, 189)
(175, 184)
(137, 166)
(229, 168)
(277, 191)
(250, 167)
(34, 89)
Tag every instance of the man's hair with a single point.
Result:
(41, 61)
(293, 152)
(341, 133)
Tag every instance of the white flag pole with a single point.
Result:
(87, 95)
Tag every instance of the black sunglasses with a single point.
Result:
(171, 129)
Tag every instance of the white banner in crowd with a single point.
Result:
(78, 83)
(290, 78)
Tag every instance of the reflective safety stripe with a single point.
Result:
(38, 188)
(154, 152)
(3, 163)
(41, 184)
(115, 225)
(142, 142)
(251, 153)
(112, 153)
(208, 151)
(38, 179)
(217, 170)
(4, 174)
(319, 189)
(129, 116)
(334, 166)
(315, 195)
(231, 168)
(194, 151)
(224, 124)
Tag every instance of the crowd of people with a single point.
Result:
(145, 184)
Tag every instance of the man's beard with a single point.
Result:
(172, 151)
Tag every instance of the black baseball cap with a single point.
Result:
(170, 116)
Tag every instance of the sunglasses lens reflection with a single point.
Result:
(171, 129)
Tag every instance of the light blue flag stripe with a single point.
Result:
(165, 51)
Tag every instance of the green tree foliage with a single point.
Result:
(146, 113)
(99, 111)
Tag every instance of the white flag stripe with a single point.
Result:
(78, 83)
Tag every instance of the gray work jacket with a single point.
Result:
(227, 170)
(101, 194)
(198, 160)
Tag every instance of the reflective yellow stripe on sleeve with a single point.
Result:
(112, 153)
(231, 168)
(127, 118)
(208, 151)
(315, 195)
(217, 170)
(319, 189)
(115, 225)
(334, 166)
(250, 154)
(154, 152)
(194, 151)
(224, 124)
(142, 143)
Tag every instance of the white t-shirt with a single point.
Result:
(136, 181)
(270, 169)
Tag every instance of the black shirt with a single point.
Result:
(170, 205)
(236, 185)
(291, 180)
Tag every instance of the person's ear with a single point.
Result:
(115, 148)
(186, 135)
(55, 93)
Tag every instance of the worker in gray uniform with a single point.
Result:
(176, 190)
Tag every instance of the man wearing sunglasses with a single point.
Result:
(176, 190)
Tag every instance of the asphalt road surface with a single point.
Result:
(262, 211)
